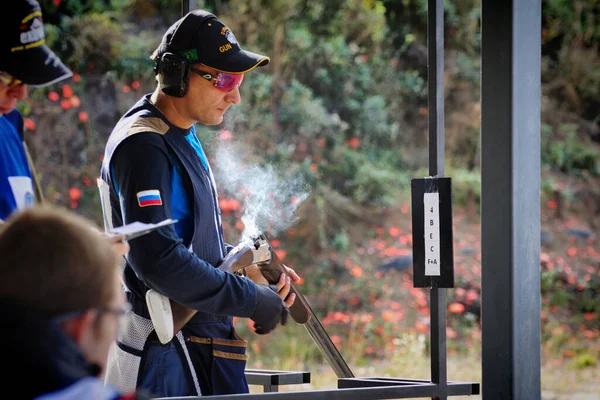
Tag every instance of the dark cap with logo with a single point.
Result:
(24, 53)
(201, 38)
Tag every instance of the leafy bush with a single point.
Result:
(570, 154)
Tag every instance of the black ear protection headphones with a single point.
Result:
(174, 68)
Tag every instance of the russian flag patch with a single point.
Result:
(149, 198)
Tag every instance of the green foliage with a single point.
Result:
(466, 185)
(341, 242)
(301, 113)
(568, 19)
(367, 181)
(570, 154)
(585, 360)
(95, 38)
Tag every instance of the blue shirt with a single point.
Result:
(16, 184)
(181, 205)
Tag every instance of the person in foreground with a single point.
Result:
(61, 302)
(25, 60)
(154, 168)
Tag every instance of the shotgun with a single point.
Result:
(168, 316)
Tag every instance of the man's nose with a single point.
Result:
(19, 92)
(234, 96)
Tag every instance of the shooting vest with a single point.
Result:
(207, 241)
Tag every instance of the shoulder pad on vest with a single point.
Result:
(150, 124)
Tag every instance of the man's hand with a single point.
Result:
(283, 290)
(270, 309)
(119, 244)
(253, 273)
(283, 286)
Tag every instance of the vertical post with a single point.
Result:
(435, 76)
(510, 209)
(187, 6)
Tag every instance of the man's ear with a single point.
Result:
(78, 327)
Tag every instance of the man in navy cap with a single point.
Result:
(25, 60)
(154, 168)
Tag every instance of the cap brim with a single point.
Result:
(240, 62)
(38, 66)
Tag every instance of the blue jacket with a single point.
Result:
(153, 169)
(16, 185)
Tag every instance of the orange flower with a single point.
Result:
(589, 316)
(456, 308)
(53, 96)
(67, 91)
(75, 102)
(83, 116)
(354, 143)
(394, 231)
(387, 316)
(421, 327)
(356, 271)
(354, 301)
(76, 77)
(337, 341)
(135, 85)
(281, 254)
(125, 89)
(65, 104)
(29, 124)
(75, 194)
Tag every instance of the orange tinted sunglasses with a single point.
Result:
(9, 81)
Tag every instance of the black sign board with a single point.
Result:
(433, 255)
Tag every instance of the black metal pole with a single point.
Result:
(435, 68)
(510, 199)
(187, 6)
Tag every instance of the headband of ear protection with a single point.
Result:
(174, 68)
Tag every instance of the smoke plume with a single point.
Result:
(269, 199)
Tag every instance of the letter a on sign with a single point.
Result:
(433, 262)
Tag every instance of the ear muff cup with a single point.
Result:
(174, 69)
(174, 73)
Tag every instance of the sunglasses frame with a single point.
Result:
(9, 81)
(210, 77)
(119, 311)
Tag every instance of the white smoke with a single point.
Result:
(269, 199)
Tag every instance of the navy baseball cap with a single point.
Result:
(201, 38)
(24, 53)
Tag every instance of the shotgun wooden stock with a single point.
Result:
(300, 310)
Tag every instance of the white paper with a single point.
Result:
(136, 229)
(431, 201)
(22, 188)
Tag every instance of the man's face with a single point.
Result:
(205, 103)
(11, 92)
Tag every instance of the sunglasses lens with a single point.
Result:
(8, 80)
(228, 82)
